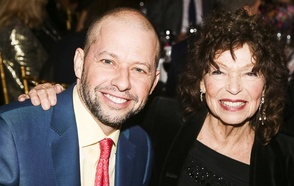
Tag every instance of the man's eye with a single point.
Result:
(140, 70)
(106, 61)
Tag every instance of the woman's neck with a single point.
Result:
(233, 141)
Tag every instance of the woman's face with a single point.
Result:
(233, 92)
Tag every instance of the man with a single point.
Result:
(116, 72)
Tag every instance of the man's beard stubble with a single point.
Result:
(95, 108)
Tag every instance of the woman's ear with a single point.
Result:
(79, 62)
(202, 86)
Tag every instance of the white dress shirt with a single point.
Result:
(89, 134)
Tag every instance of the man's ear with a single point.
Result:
(79, 62)
(155, 81)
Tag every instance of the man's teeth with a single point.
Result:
(232, 104)
(115, 99)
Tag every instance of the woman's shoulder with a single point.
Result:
(274, 160)
(282, 144)
(283, 137)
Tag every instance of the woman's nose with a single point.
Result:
(234, 84)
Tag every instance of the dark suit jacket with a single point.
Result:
(172, 137)
(40, 147)
(167, 14)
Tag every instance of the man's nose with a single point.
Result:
(121, 79)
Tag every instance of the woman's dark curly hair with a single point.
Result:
(228, 31)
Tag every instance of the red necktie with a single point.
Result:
(102, 177)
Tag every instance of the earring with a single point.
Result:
(201, 95)
(262, 115)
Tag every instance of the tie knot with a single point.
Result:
(105, 148)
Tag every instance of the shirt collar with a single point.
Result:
(89, 131)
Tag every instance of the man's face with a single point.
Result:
(118, 73)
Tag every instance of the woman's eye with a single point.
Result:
(253, 74)
(216, 72)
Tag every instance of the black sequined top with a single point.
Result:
(204, 166)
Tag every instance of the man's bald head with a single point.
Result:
(128, 16)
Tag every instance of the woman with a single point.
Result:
(25, 41)
(232, 94)
(226, 129)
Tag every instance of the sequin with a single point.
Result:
(203, 175)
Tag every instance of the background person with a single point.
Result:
(26, 38)
(173, 15)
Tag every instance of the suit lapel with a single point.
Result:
(65, 146)
(65, 159)
(125, 157)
